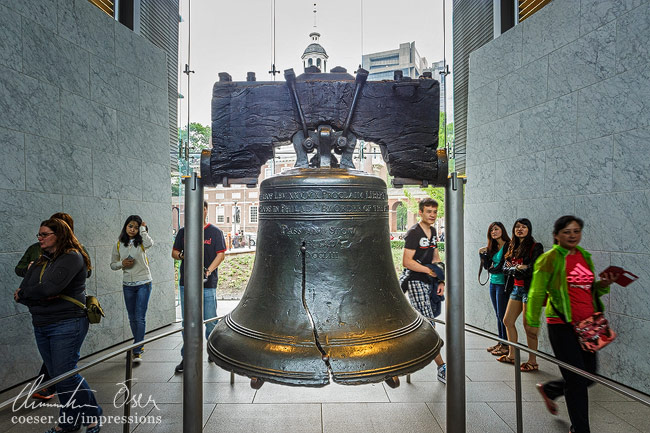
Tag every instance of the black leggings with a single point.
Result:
(573, 386)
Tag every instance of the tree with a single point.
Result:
(402, 217)
(199, 136)
(441, 131)
(436, 193)
(175, 186)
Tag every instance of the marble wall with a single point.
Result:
(84, 130)
(559, 123)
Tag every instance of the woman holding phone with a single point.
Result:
(565, 280)
(130, 256)
(492, 260)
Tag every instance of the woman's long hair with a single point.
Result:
(493, 245)
(517, 248)
(137, 240)
(66, 241)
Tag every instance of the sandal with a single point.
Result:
(503, 350)
(551, 406)
(493, 348)
(505, 359)
(527, 367)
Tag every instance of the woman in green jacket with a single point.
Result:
(565, 275)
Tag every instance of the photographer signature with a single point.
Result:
(123, 397)
(30, 389)
(134, 400)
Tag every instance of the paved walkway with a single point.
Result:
(411, 408)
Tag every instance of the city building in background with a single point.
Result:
(383, 65)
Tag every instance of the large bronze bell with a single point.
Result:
(323, 298)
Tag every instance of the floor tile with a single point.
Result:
(535, 417)
(212, 392)
(169, 419)
(276, 418)
(419, 392)
(214, 373)
(332, 393)
(481, 418)
(635, 414)
(378, 418)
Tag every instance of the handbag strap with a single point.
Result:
(480, 269)
(74, 301)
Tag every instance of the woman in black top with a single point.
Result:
(60, 326)
(520, 258)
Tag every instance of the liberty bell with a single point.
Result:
(323, 301)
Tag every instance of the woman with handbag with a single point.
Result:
(130, 256)
(565, 275)
(61, 326)
(518, 268)
(492, 259)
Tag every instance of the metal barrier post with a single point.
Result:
(193, 303)
(455, 305)
(126, 428)
(520, 422)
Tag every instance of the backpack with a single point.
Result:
(146, 259)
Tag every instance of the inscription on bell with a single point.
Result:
(334, 231)
(333, 208)
(321, 194)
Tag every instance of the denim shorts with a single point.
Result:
(519, 293)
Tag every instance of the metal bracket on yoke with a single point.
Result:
(399, 182)
(441, 175)
(325, 138)
(302, 144)
(250, 182)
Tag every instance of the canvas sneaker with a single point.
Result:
(137, 357)
(442, 373)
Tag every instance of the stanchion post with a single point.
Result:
(518, 408)
(455, 305)
(193, 307)
(126, 428)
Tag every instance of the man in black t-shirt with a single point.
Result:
(214, 248)
(421, 249)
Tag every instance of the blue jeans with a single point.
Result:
(499, 302)
(59, 345)
(136, 299)
(209, 308)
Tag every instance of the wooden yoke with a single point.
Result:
(250, 118)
